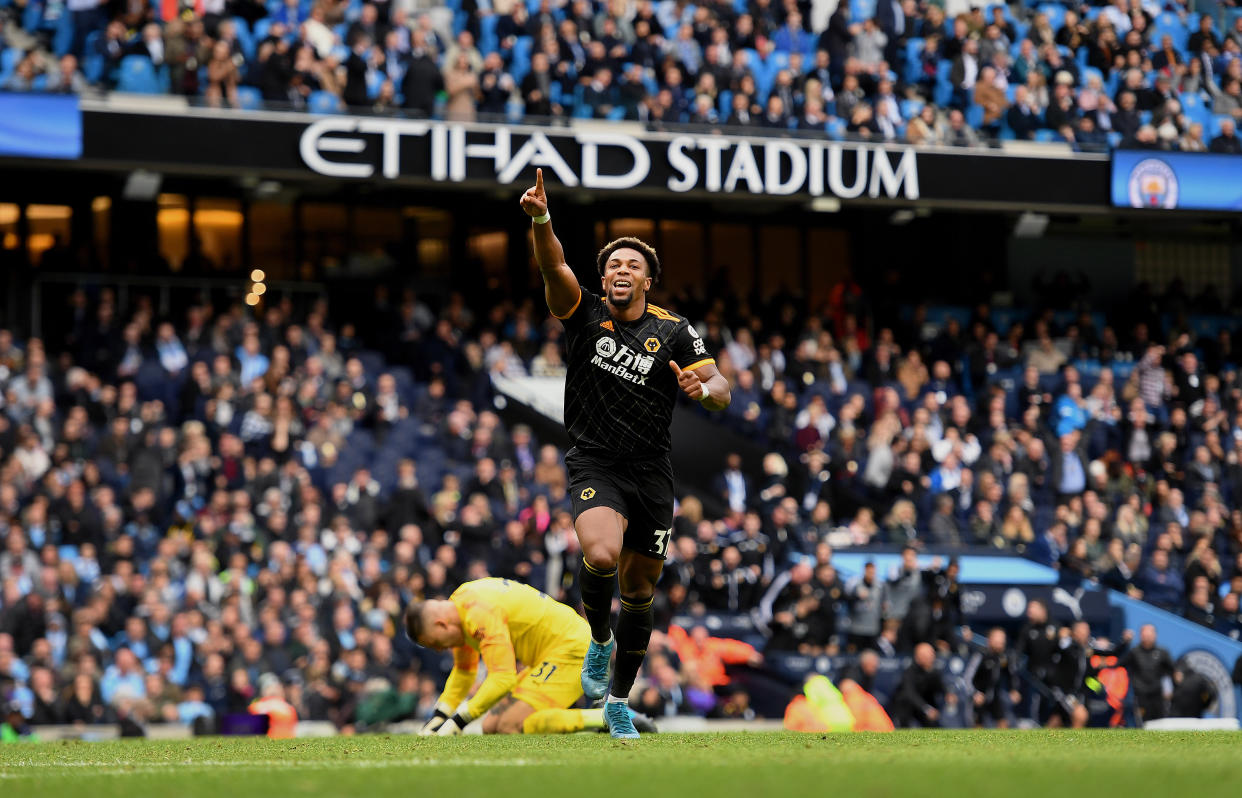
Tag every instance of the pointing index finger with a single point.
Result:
(676, 368)
(539, 180)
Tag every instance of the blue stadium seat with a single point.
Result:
(914, 60)
(138, 76)
(250, 97)
(1114, 139)
(911, 108)
(861, 9)
(1209, 326)
(1044, 134)
(488, 41)
(244, 38)
(323, 102)
(63, 39)
(724, 104)
(941, 314)
(1055, 14)
(32, 16)
(9, 59)
(581, 109)
(261, 27)
(836, 129)
(521, 54)
(942, 95)
(92, 61)
(1168, 23)
(1004, 318)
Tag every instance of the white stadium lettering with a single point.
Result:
(722, 164)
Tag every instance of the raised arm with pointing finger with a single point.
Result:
(560, 284)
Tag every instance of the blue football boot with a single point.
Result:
(596, 672)
(620, 721)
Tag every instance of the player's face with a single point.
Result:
(626, 276)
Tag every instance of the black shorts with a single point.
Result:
(641, 491)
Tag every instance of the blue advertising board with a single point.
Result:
(1204, 650)
(40, 126)
(1172, 180)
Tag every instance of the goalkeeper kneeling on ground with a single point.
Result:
(505, 623)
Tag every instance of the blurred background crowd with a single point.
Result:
(1147, 75)
(228, 504)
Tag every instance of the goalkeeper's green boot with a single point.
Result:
(595, 669)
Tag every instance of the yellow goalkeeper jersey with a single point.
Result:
(506, 623)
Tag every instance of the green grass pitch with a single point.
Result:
(1048, 764)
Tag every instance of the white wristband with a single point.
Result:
(547, 217)
(706, 393)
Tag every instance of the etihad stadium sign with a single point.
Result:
(600, 157)
(363, 148)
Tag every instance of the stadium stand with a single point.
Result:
(188, 507)
(1143, 76)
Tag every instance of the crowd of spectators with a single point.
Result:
(1143, 75)
(197, 510)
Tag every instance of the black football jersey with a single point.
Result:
(620, 389)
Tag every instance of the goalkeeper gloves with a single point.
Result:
(437, 720)
(454, 725)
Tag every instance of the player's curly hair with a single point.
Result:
(630, 242)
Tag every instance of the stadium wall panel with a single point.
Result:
(593, 158)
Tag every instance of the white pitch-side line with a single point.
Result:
(12, 770)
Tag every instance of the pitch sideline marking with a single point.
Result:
(124, 768)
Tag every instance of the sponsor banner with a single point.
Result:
(40, 126)
(976, 569)
(597, 157)
(1172, 181)
(999, 604)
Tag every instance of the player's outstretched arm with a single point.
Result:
(560, 286)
